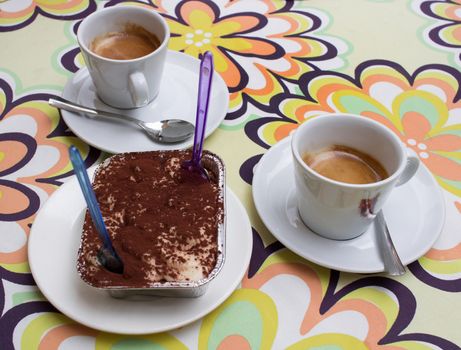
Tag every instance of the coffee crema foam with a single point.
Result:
(345, 164)
(133, 42)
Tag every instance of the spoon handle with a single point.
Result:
(206, 76)
(91, 112)
(392, 262)
(90, 198)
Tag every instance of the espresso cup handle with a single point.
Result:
(410, 169)
(139, 91)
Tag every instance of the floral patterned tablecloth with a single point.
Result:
(395, 61)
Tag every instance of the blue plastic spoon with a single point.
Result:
(204, 88)
(107, 256)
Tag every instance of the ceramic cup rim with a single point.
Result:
(114, 9)
(393, 177)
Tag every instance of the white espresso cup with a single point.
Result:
(339, 210)
(124, 83)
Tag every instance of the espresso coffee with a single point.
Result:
(345, 164)
(133, 42)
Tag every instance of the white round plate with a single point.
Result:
(53, 245)
(177, 99)
(415, 213)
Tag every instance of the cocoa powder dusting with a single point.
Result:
(163, 225)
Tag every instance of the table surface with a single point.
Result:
(397, 61)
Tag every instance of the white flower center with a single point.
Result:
(422, 146)
(198, 38)
(424, 155)
(412, 142)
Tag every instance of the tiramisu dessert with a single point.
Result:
(164, 224)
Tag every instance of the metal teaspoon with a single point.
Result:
(392, 263)
(165, 131)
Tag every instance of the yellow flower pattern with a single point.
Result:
(17, 14)
(251, 52)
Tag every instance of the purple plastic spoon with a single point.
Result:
(204, 88)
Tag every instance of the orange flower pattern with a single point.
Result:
(33, 161)
(421, 109)
(18, 14)
(255, 47)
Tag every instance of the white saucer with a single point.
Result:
(177, 99)
(53, 243)
(415, 213)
